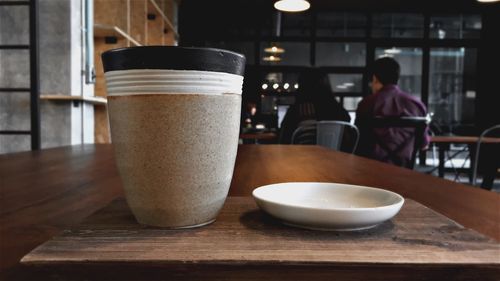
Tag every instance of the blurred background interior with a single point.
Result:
(51, 81)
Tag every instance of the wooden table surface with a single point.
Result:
(259, 136)
(462, 139)
(43, 192)
(444, 142)
(417, 244)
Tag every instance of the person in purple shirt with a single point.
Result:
(388, 100)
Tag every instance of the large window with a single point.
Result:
(455, 26)
(340, 54)
(452, 87)
(334, 24)
(296, 24)
(346, 83)
(398, 25)
(434, 66)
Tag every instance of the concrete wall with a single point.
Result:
(61, 64)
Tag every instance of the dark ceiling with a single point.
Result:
(230, 6)
(215, 18)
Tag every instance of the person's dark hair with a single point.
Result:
(313, 86)
(386, 70)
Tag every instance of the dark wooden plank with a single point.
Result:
(43, 192)
(416, 239)
(463, 139)
(258, 165)
(259, 136)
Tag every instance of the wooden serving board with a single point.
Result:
(247, 244)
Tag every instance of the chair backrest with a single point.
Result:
(331, 134)
(419, 124)
(484, 134)
(305, 133)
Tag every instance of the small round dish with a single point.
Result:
(328, 206)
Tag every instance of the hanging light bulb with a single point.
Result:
(274, 49)
(271, 58)
(292, 5)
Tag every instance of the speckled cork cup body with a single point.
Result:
(174, 115)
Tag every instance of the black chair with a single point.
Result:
(368, 140)
(336, 135)
(485, 133)
(305, 133)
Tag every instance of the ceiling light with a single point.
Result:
(264, 86)
(343, 87)
(276, 86)
(392, 51)
(274, 50)
(296, 86)
(487, 1)
(286, 86)
(348, 84)
(271, 58)
(292, 5)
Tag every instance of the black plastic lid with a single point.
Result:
(170, 57)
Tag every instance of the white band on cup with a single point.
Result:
(166, 81)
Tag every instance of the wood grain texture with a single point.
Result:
(462, 139)
(138, 20)
(154, 27)
(111, 12)
(266, 164)
(245, 236)
(170, 38)
(258, 136)
(43, 192)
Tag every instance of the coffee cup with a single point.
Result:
(174, 116)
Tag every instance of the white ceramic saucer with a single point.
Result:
(328, 206)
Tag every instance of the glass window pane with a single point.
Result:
(455, 26)
(346, 83)
(340, 54)
(247, 48)
(295, 53)
(410, 60)
(296, 24)
(398, 25)
(331, 24)
(452, 85)
(472, 26)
